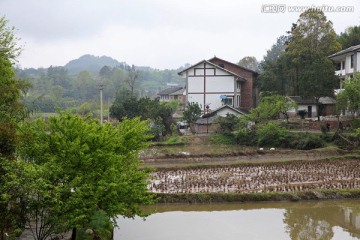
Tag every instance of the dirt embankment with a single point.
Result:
(206, 157)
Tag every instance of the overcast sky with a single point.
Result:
(156, 33)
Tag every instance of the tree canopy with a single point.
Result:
(192, 112)
(350, 37)
(270, 107)
(82, 168)
(297, 65)
(249, 62)
(159, 113)
(9, 46)
(12, 112)
(349, 98)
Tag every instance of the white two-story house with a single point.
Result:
(348, 62)
(215, 82)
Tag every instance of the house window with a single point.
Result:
(238, 85)
(238, 100)
(338, 66)
(342, 65)
(228, 101)
(352, 61)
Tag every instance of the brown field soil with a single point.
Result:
(203, 168)
(291, 176)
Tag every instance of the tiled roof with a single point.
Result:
(212, 113)
(226, 70)
(178, 92)
(214, 58)
(169, 91)
(347, 50)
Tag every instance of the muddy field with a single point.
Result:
(199, 167)
(259, 177)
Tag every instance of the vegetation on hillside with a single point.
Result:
(59, 87)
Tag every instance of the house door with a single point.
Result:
(309, 111)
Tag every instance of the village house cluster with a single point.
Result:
(221, 87)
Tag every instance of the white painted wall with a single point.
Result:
(348, 64)
(304, 107)
(214, 101)
(195, 84)
(199, 98)
(220, 84)
(358, 61)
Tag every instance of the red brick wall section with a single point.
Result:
(247, 98)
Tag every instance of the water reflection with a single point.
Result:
(305, 220)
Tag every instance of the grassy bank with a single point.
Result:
(323, 194)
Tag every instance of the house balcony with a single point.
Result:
(337, 91)
(340, 73)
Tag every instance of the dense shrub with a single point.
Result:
(304, 141)
(245, 137)
(228, 123)
(226, 139)
(355, 123)
(271, 135)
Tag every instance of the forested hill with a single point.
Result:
(77, 82)
(91, 63)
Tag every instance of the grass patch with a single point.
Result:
(171, 141)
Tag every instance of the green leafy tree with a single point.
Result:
(271, 134)
(350, 37)
(12, 112)
(82, 168)
(85, 86)
(192, 112)
(105, 72)
(9, 46)
(311, 40)
(318, 80)
(228, 123)
(249, 62)
(273, 75)
(59, 76)
(290, 61)
(277, 49)
(270, 108)
(132, 78)
(159, 113)
(349, 98)
(341, 103)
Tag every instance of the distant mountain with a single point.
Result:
(91, 63)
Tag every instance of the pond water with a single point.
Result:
(275, 220)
